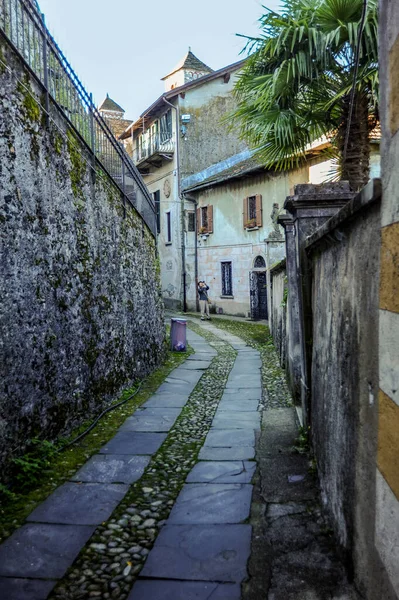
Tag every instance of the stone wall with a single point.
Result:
(80, 310)
(344, 258)
(333, 297)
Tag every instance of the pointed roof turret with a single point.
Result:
(109, 104)
(190, 62)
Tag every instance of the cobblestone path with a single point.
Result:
(92, 536)
(174, 506)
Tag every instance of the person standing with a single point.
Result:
(203, 300)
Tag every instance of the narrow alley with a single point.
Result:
(200, 494)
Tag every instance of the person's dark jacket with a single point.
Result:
(202, 292)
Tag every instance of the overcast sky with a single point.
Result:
(124, 47)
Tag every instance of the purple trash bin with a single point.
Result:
(178, 341)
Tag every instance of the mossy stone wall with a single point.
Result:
(81, 314)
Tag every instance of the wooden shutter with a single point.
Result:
(245, 212)
(258, 210)
(198, 219)
(210, 219)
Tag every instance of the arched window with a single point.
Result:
(259, 263)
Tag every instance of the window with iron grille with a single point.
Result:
(227, 283)
(190, 221)
(168, 228)
(252, 207)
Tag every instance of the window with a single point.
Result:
(252, 211)
(259, 263)
(205, 219)
(157, 200)
(168, 229)
(252, 208)
(166, 126)
(191, 221)
(227, 284)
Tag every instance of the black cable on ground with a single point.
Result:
(96, 420)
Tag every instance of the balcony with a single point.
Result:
(153, 152)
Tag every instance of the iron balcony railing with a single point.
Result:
(24, 27)
(159, 143)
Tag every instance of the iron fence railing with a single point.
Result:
(24, 27)
(159, 143)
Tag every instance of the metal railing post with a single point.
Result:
(92, 137)
(45, 74)
(123, 189)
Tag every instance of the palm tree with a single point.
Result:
(312, 70)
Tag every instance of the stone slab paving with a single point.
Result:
(184, 375)
(156, 419)
(24, 589)
(134, 442)
(201, 365)
(40, 550)
(243, 381)
(200, 553)
(185, 590)
(167, 400)
(204, 538)
(227, 453)
(112, 468)
(177, 386)
(243, 393)
(238, 420)
(79, 504)
(206, 503)
(237, 405)
(222, 472)
(230, 438)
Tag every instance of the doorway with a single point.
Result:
(258, 295)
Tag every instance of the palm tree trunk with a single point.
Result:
(355, 162)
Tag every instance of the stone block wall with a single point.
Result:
(81, 315)
(344, 259)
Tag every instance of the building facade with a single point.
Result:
(181, 133)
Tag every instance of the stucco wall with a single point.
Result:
(278, 310)
(80, 309)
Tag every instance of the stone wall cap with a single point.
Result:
(369, 195)
(323, 195)
(284, 220)
(282, 264)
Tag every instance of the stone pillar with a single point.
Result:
(387, 471)
(309, 207)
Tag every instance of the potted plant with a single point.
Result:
(250, 223)
(203, 230)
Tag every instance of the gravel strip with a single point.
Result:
(109, 564)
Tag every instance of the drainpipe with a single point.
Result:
(179, 194)
(194, 200)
